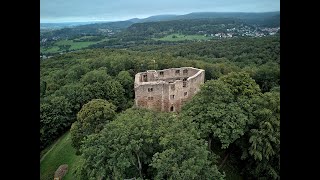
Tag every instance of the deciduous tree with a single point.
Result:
(145, 144)
(91, 119)
(222, 108)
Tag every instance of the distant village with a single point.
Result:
(246, 31)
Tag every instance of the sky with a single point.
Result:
(54, 11)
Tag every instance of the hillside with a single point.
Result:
(239, 100)
(266, 19)
(61, 153)
(161, 29)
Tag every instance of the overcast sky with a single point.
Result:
(112, 10)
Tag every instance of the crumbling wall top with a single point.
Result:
(165, 76)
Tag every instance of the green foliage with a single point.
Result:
(99, 76)
(241, 85)
(75, 95)
(221, 107)
(55, 116)
(234, 111)
(89, 29)
(90, 74)
(75, 73)
(145, 144)
(115, 151)
(264, 138)
(268, 76)
(275, 89)
(77, 85)
(73, 92)
(129, 33)
(229, 112)
(61, 153)
(183, 156)
(91, 119)
(178, 37)
(98, 84)
(43, 87)
(66, 45)
(109, 90)
(241, 51)
(55, 81)
(127, 82)
(187, 27)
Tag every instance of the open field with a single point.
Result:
(55, 48)
(61, 153)
(181, 37)
(52, 49)
(74, 45)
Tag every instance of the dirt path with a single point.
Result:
(54, 145)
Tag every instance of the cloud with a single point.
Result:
(51, 10)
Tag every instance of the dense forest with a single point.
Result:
(193, 26)
(152, 30)
(230, 128)
(269, 19)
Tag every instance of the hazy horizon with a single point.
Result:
(59, 11)
(140, 17)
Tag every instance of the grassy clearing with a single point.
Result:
(52, 49)
(181, 37)
(84, 37)
(44, 152)
(73, 45)
(61, 153)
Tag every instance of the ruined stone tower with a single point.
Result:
(167, 89)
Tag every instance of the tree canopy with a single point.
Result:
(233, 111)
(141, 143)
(232, 125)
(222, 107)
(91, 119)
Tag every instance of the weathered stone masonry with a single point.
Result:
(167, 89)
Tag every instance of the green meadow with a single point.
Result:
(60, 153)
(181, 37)
(55, 48)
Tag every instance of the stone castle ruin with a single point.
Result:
(168, 89)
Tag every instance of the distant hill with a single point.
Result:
(154, 18)
(240, 15)
(188, 24)
(264, 19)
(62, 25)
(184, 26)
(87, 29)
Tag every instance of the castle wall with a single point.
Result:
(169, 90)
(149, 99)
(195, 83)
